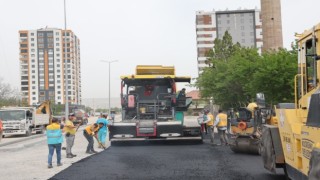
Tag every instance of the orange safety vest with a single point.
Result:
(89, 129)
(223, 120)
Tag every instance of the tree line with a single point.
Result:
(236, 73)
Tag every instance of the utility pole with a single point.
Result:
(65, 64)
(109, 62)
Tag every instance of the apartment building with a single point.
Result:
(244, 26)
(42, 66)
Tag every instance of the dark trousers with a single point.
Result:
(90, 141)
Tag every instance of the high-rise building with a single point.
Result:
(243, 25)
(42, 67)
(271, 24)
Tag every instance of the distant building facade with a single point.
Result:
(42, 66)
(244, 26)
(271, 24)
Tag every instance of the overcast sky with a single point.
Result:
(158, 32)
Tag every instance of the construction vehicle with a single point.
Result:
(245, 126)
(25, 120)
(151, 109)
(294, 143)
(81, 117)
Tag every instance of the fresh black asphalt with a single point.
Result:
(163, 160)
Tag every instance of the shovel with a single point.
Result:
(104, 148)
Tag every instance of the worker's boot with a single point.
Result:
(50, 166)
(69, 156)
(74, 155)
(89, 152)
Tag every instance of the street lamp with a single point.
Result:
(65, 64)
(109, 62)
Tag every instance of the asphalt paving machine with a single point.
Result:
(151, 107)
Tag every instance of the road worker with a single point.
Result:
(70, 130)
(209, 124)
(1, 129)
(89, 132)
(221, 123)
(54, 140)
(103, 131)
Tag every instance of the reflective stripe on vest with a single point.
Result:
(223, 120)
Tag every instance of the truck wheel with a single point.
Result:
(29, 132)
(42, 130)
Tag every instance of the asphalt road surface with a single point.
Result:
(161, 160)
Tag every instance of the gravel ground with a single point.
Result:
(27, 160)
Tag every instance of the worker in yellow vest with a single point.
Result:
(221, 123)
(209, 123)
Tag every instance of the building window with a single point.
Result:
(33, 82)
(32, 44)
(243, 41)
(32, 39)
(33, 93)
(32, 34)
(242, 34)
(24, 50)
(242, 21)
(57, 33)
(33, 87)
(34, 98)
(33, 66)
(57, 44)
(32, 55)
(33, 71)
(40, 34)
(242, 27)
(33, 60)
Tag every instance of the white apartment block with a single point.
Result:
(244, 26)
(42, 66)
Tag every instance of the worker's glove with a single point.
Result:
(92, 134)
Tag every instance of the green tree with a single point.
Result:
(235, 74)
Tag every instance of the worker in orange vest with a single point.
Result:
(221, 123)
